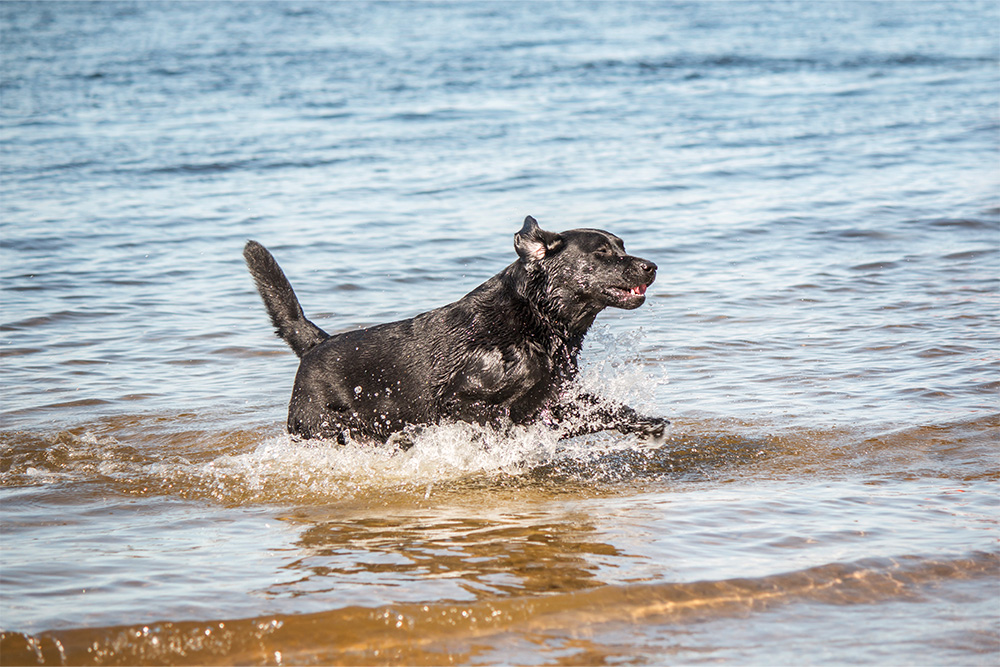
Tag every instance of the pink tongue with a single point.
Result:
(640, 290)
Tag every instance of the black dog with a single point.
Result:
(505, 352)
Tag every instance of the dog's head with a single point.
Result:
(585, 268)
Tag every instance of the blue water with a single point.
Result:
(818, 183)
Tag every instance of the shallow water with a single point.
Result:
(816, 181)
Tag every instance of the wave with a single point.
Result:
(163, 455)
(249, 164)
(242, 467)
(422, 633)
(727, 62)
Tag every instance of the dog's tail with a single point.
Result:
(282, 306)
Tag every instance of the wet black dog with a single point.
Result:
(505, 352)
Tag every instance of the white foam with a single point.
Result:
(282, 468)
(612, 367)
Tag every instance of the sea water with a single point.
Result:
(817, 181)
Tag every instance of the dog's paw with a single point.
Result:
(405, 440)
(653, 428)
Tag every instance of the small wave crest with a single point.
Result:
(244, 467)
(134, 455)
(238, 469)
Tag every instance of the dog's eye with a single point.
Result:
(605, 252)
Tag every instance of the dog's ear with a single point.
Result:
(533, 243)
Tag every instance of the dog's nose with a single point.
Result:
(647, 267)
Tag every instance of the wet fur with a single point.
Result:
(506, 352)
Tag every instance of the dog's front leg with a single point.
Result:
(586, 413)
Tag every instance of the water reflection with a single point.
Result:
(479, 558)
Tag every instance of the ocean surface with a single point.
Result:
(819, 183)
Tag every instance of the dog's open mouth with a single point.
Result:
(627, 297)
(631, 292)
